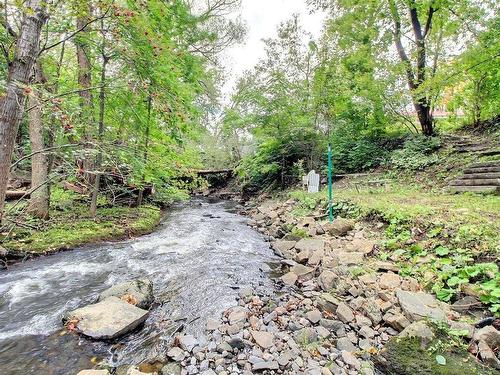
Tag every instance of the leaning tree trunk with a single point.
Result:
(20, 71)
(39, 200)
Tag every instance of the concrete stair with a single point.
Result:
(478, 178)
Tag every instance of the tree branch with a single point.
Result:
(69, 36)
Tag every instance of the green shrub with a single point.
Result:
(417, 153)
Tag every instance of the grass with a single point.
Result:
(73, 227)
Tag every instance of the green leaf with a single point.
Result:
(441, 360)
(442, 251)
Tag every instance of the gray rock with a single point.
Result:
(301, 270)
(420, 330)
(314, 316)
(136, 292)
(212, 324)
(237, 314)
(371, 309)
(363, 245)
(107, 319)
(171, 369)
(396, 321)
(389, 281)
(332, 325)
(490, 335)
(263, 339)
(310, 245)
(187, 342)
(418, 306)
(351, 360)
(326, 280)
(177, 354)
(327, 302)
(285, 357)
(283, 246)
(487, 355)
(367, 332)
(270, 365)
(344, 313)
(94, 372)
(465, 304)
(344, 343)
(3, 252)
(339, 227)
(350, 259)
(289, 278)
(306, 335)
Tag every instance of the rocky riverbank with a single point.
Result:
(336, 310)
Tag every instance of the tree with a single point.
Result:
(20, 71)
(39, 200)
(416, 73)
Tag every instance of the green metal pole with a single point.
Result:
(330, 187)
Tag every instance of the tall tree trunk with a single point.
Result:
(85, 83)
(415, 76)
(20, 71)
(100, 135)
(39, 200)
(140, 196)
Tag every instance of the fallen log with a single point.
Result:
(16, 194)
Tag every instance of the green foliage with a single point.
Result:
(417, 153)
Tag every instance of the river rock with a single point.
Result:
(94, 372)
(107, 319)
(176, 353)
(339, 227)
(362, 245)
(344, 343)
(327, 302)
(263, 339)
(284, 248)
(350, 259)
(418, 306)
(310, 245)
(289, 278)
(301, 270)
(389, 281)
(187, 342)
(270, 365)
(237, 314)
(420, 330)
(326, 280)
(136, 292)
(171, 369)
(488, 355)
(344, 313)
(490, 335)
(350, 359)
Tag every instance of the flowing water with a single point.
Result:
(198, 259)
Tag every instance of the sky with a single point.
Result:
(262, 18)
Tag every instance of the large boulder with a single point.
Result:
(339, 227)
(136, 292)
(418, 306)
(310, 245)
(107, 319)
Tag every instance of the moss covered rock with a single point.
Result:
(406, 356)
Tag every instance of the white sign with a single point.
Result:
(312, 182)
